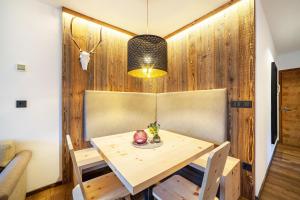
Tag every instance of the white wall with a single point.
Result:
(265, 54)
(31, 35)
(289, 60)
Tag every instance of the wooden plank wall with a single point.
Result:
(219, 53)
(106, 71)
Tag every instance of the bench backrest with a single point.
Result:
(200, 114)
(109, 113)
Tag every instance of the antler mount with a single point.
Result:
(84, 55)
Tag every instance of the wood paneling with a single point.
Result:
(107, 70)
(218, 53)
(290, 107)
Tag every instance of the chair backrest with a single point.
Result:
(213, 172)
(75, 166)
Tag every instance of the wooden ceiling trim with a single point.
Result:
(202, 18)
(88, 18)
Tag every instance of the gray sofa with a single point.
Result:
(13, 177)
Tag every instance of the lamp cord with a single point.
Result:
(147, 16)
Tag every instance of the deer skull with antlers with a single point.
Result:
(84, 55)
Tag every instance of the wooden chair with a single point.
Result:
(178, 188)
(230, 181)
(89, 158)
(106, 187)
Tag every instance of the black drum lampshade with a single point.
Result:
(147, 56)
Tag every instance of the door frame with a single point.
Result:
(280, 99)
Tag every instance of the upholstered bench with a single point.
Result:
(230, 182)
(13, 174)
(200, 114)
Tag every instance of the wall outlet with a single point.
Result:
(247, 166)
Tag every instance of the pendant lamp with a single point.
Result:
(147, 55)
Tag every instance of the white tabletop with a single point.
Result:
(138, 168)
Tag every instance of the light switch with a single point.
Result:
(241, 104)
(21, 67)
(21, 103)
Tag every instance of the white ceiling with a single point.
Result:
(284, 20)
(165, 16)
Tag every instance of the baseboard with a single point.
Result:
(43, 188)
(267, 172)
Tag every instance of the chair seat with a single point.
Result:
(177, 188)
(88, 157)
(106, 187)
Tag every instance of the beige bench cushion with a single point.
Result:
(108, 113)
(200, 114)
(7, 152)
(12, 183)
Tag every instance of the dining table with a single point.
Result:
(140, 168)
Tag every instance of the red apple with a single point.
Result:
(140, 137)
